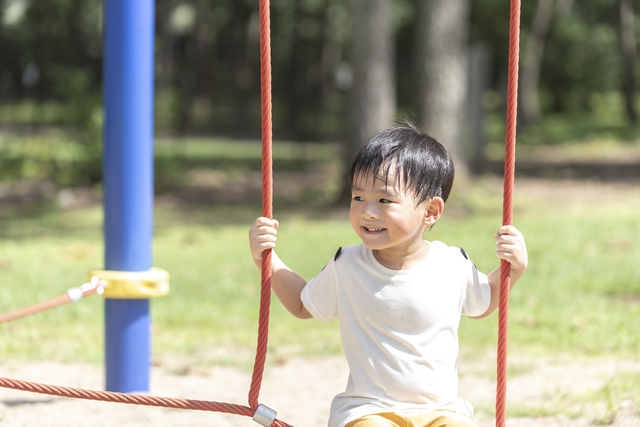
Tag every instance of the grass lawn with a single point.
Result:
(581, 295)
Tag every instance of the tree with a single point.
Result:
(628, 44)
(373, 97)
(532, 62)
(441, 44)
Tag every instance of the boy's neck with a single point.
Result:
(395, 259)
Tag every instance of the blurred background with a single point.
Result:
(342, 71)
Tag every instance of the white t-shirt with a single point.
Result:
(399, 328)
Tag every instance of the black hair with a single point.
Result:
(421, 163)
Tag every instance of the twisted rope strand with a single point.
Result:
(47, 305)
(265, 299)
(267, 211)
(267, 201)
(131, 399)
(507, 213)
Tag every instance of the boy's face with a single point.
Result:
(386, 217)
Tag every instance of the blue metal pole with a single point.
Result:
(128, 184)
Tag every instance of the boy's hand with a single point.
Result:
(262, 236)
(511, 247)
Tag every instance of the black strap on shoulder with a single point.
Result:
(464, 253)
(337, 255)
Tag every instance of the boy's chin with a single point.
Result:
(373, 246)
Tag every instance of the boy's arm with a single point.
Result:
(286, 284)
(510, 247)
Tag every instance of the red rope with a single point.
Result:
(507, 213)
(63, 299)
(267, 201)
(35, 308)
(132, 399)
(265, 300)
(267, 211)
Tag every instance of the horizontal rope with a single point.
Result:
(72, 295)
(131, 399)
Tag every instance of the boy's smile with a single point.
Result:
(387, 219)
(372, 230)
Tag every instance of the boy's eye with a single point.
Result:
(358, 198)
(385, 201)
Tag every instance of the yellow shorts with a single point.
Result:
(437, 418)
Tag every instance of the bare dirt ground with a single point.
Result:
(299, 389)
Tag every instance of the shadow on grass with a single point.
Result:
(236, 197)
(22, 402)
(192, 206)
(602, 171)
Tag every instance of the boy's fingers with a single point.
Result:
(263, 229)
(267, 230)
(509, 230)
(266, 238)
(508, 235)
(263, 221)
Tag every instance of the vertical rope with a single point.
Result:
(267, 201)
(507, 213)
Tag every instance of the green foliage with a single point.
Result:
(208, 71)
(58, 158)
(582, 54)
(61, 40)
(604, 123)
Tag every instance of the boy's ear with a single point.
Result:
(433, 210)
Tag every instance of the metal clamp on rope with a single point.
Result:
(264, 415)
(134, 284)
(77, 293)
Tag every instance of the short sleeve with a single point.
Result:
(478, 292)
(319, 296)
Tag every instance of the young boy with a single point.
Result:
(398, 298)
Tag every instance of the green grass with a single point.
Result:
(580, 295)
(601, 406)
(605, 120)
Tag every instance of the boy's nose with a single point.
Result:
(369, 213)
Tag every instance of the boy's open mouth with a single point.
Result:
(373, 230)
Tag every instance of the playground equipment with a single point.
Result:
(128, 185)
(128, 214)
(507, 210)
(95, 286)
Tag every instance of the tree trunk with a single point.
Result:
(373, 96)
(628, 44)
(442, 74)
(479, 83)
(563, 8)
(532, 63)
(293, 86)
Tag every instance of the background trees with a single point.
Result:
(442, 69)
(388, 57)
(373, 95)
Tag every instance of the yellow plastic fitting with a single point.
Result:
(134, 284)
